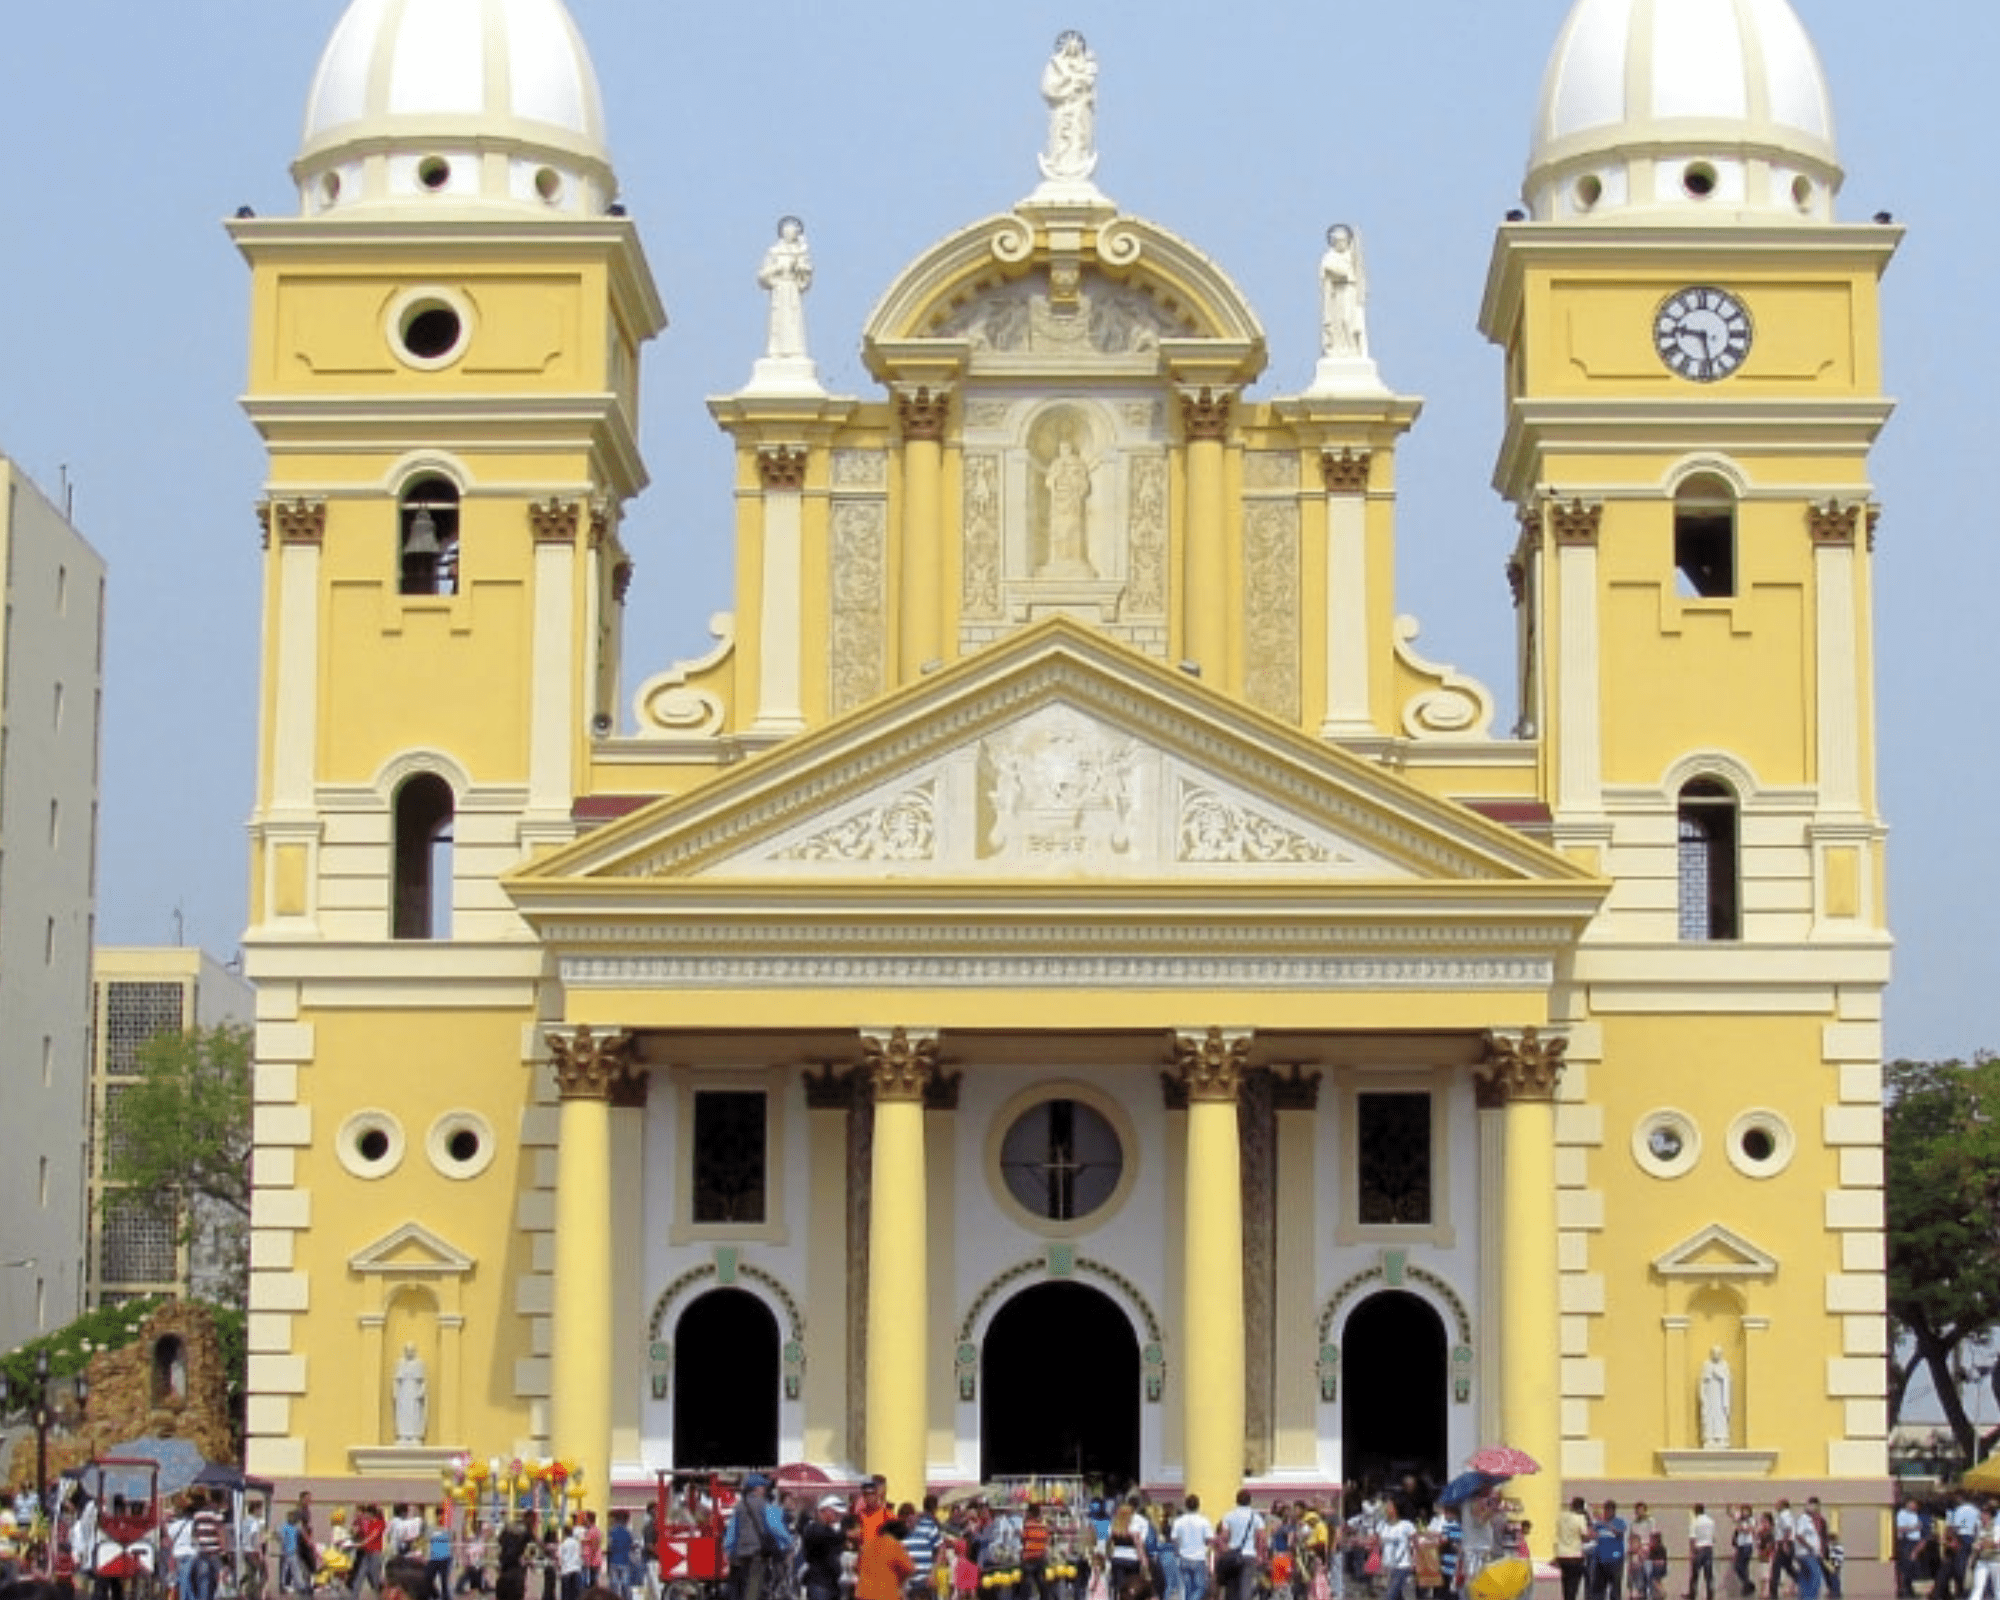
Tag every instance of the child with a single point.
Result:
(965, 1572)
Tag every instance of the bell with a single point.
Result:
(423, 537)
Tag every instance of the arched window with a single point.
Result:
(1708, 862)
(428, 537)
(424, 814)
(1705, 538)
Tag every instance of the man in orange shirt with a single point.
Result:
(885, 1565)
(872, 1507)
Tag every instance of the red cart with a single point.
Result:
(691, 1511)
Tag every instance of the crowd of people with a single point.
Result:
(1776, 1553)
(1948, 1548)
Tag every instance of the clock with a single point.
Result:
(1703, 334)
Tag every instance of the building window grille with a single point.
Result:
(1062, 1160)
(729, 1155)
(424, 816)
(1394, 1141)
(140, 1244)
(134, 1013)
(1709, 902)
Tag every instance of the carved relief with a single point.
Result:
(1211, 1065)
(903, 829)
(980, 596)
(1271, 606)
(1142, 414)
(1068, 512)
(860, 469)
(588, 1064)
(1270, 469)
(1057, 788)
(671, 703)
(860, 586)
(1092, 316)
(1146, 593)
(988, 414)
(898, 1064)
(1213, 829)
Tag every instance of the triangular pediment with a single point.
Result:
(1057, 756)
(1716, 1252)
(412, 1249)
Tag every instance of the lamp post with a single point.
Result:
(42, 1404)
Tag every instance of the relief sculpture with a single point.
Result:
(1058, 788)
(1271, 606)
(980, 589)
(1147, 593)
(860, 575)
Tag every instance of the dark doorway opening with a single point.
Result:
(1060, 1387)
(1393, 1370)
(726, 1382)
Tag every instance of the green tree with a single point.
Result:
(1941, 1130)
(179, 1143)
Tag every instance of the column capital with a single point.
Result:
(781, 468)
(1205, 412)
(1346, 471)
(899, 1063)
(1211, 1063)
(555, 521)
(1523, 1068)
(922, 411)
(630, 1089)
(1578, 523)
(1834, 525)
(588, 1064)
(293, 521)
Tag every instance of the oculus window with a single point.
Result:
(1061, 1160)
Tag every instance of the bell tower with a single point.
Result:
(444, 368)
(1694, 383)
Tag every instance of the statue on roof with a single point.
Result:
(786, 275)
(1069, 85)
(1343, 295)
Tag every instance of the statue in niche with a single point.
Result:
(410, 1390)
(1069, 85)
(1068, 484)
(1343, 296)
(786, 275)
(1716, 1396)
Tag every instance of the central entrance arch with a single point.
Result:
(1060, 1387)
(726, 1382)
(1394, 1376)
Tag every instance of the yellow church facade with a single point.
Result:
(1065, 985)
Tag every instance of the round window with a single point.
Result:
(1761, 1144)
(370, 1144)
(1666, 1142)
(460, 1144)
(1061, 1160)
(429, 328)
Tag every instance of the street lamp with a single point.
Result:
(44, 1410)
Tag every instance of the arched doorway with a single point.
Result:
(726, 1382)
(1059, 1389)
(1394, 1377)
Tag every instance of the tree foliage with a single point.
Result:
(179, 1139)
(1941, 1130)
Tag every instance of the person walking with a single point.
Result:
(1398, 1548)
(1191, 1536)
(1607, 1553)
(1239, 1548)
(1572, 1531)
(1701, 1552)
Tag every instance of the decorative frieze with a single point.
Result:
(979, 588)
(1576, 524)
(860, 469)
(1271, 581)
(1524, 1068)
(860, 601)
(1212, 1063)
(781, 468)
(1146, 588)
(555, 521)
(1346, 471)
(294, 521)
(589, 1064)
(898, 1064)
(923, 412)
(1205, 413)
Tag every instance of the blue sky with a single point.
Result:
(137, 128)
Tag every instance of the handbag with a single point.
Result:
(1372, 1567)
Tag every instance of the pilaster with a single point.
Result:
(1206, 413)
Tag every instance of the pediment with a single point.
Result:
(1058, 756)
(1716, 1252)
(411, 1250)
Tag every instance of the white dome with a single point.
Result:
(1683, 109)
(455, 103)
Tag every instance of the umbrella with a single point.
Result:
(178, 1460)
(1984, 1478)
(1501, 1462)
(801, 1475)
(970, 1493)
(1502, 1580)
(1467, 1486)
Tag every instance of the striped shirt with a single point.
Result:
(1034, 1540)
(208, 1532)
(922, 1542)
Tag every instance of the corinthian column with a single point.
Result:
(1519, 1079)
(898, 1067)
(1205, 604)
(1211, 1067)
(590, 1069)
(920, 631)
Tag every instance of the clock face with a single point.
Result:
(1703, 334)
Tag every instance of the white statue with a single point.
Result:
(1068, 484)
(1715, 1393)
(411, 1391)
(1343, 296)
(786, 275)
(1069, 85)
